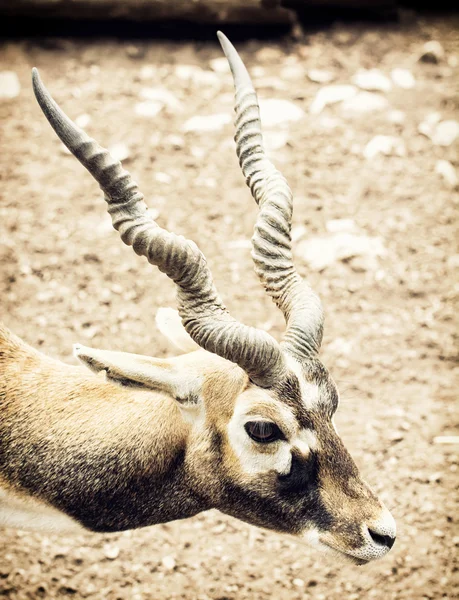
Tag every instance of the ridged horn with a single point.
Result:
(203, 313)
(271, 241)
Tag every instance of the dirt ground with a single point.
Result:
(389, 339)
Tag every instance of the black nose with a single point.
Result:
(382, 540)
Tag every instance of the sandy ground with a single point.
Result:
(65, 277)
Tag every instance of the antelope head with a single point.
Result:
(260, 444)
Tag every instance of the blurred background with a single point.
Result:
(360, 111)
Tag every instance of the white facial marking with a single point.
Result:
(309, 391)
(276, 456)
(306, 440)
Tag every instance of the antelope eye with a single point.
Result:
(263, 432)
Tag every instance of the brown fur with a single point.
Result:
(114, 457)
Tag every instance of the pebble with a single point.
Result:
(438, 533)
(320, 76)
(295, 72)
(111, 551)
(135, 52)
(275, 140)
(299, 583)
(432, 52)
(403, 78)
(384, 144)
(396, 116)
(161, 95)
(322, 251)
(119, 151)
(364, 102)
(177, 141)
(339, 225)
(9, 85)
(275, 112)
(446, 170)
(445, 133)
(426, 127)
(427, 507)
(269, 55)
(446, 439)
(205, 123)
(83, 120)
(219, 65)
(148, 71)
(331, 94)
(196, 75)
(372, 80)
(149, 108)
(169, 563)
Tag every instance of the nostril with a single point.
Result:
(382, 540)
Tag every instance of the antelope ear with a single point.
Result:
(170, 325)
(135, 370)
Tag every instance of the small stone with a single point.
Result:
(119, 151)
(364, 102)
(445, 133)
(149, 108)
(275, 140)
(269, 55)
(299, 583)
(9, 85)
(396, 116)
(219, 65)
(196, 75)
(339, 225)
(175, 140)
(163, 177)
(435, 477)
(372, 80)
(446, 170)
(456, 540)
(320, 76)
(384, 144)
(331, 94)
(168, 563)
(322, 251)
(438, 533)
(161, 95)
(135, 52)
(427, 507)
(403, 78)
(396, 436)
(432, 52)
(111, 551)
(298, 232)
(446, 439)
(83, 120)
(206, 123)
(148, 71)
(295, 72)
(276, 112)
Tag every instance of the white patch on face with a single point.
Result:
(309, 391)
(275, 456)
(258, 458)
(306, 441)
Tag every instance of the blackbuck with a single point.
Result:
(237, 422)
